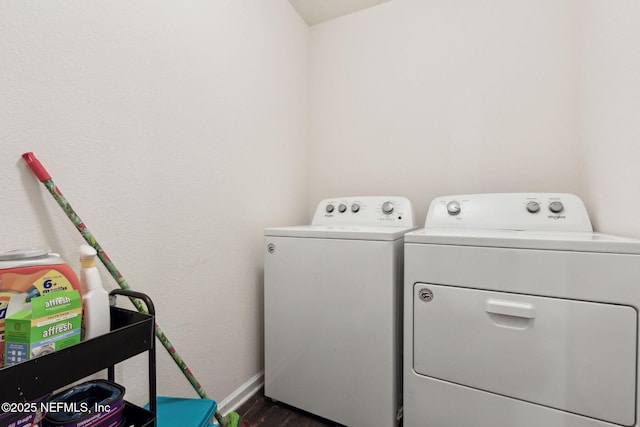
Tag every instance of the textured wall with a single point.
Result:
(610, 114)
(429, 98)
(178, 132)
(423, 99)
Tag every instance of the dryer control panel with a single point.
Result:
(375, 211)
(510, 211)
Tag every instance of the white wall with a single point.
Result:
(168, 125)
(421, 99)
(610, 114)
(177, 131)
(429, 98)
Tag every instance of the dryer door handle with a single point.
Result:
(510, 308)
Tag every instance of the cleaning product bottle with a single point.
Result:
(35, 272)
(95, 299)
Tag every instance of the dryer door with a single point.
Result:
(570, 355)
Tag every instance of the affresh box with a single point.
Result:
(51, 323)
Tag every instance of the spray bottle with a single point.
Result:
(95, 299)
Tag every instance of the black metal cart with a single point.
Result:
(131, 333)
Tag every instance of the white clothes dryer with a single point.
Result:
(518, 315)
(332, 302)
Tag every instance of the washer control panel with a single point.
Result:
(365, 211)
(510, 211)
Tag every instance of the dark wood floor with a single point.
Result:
(263, 412)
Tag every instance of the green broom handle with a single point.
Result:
(41, 173)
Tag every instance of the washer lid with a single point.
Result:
(550, 240)
(335, 232)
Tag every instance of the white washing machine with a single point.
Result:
(518, 315)
(332, 301)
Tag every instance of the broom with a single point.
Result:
(230, 420)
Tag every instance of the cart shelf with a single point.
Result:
(131, 333)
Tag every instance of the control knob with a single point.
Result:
(556, 207)
(453, 208)
(342, 208)
(387, 208)
(355, 207)
(533, 207)
(329, 208)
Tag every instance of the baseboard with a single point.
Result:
(244, 392)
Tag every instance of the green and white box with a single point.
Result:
(50, 324)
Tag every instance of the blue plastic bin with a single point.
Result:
(183, 412)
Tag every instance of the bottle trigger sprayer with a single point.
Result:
(96, 315)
